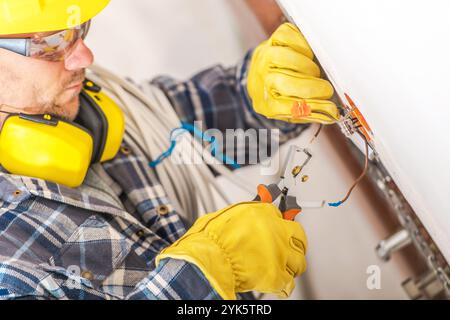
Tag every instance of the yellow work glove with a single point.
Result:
(284, 82)
(244, 247)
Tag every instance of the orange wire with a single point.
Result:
(363, 174)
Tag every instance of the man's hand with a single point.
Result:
(244, 247)
(284, 82)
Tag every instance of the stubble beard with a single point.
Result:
(61, 105)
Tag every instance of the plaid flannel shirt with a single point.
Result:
(99, 241)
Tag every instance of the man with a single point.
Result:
(116, 235)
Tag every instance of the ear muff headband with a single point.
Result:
(91, 116)
(115, 120)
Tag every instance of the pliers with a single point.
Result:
(296, 161)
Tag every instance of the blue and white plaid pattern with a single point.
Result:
(99, 241)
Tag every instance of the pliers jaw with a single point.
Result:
(267, 193)
(288, 204)
(289, 207)
(295, 163)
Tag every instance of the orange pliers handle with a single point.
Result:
(288, 204)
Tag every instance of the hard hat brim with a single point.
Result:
(30, 16)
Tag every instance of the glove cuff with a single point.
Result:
(203, 251)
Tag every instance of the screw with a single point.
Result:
(296, 171)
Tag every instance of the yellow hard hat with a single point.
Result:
(29, 16)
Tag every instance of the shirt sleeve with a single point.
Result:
(175, 280)
(171, 280)
(218, 98)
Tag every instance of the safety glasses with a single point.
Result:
(47, 46)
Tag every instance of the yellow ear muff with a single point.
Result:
(45, 148)
(51, 149)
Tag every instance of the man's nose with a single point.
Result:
(80, 57)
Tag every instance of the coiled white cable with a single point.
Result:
(150, 120)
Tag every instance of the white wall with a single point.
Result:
(391, 57)
(142, 38)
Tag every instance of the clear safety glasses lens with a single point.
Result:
(55, 46)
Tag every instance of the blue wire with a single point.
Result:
(198, 133)
(164, 155)
(335, 204)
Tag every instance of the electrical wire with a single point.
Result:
(316, 135)
(357, 181)
(366, 162)
(150, 118)
(357, 126)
